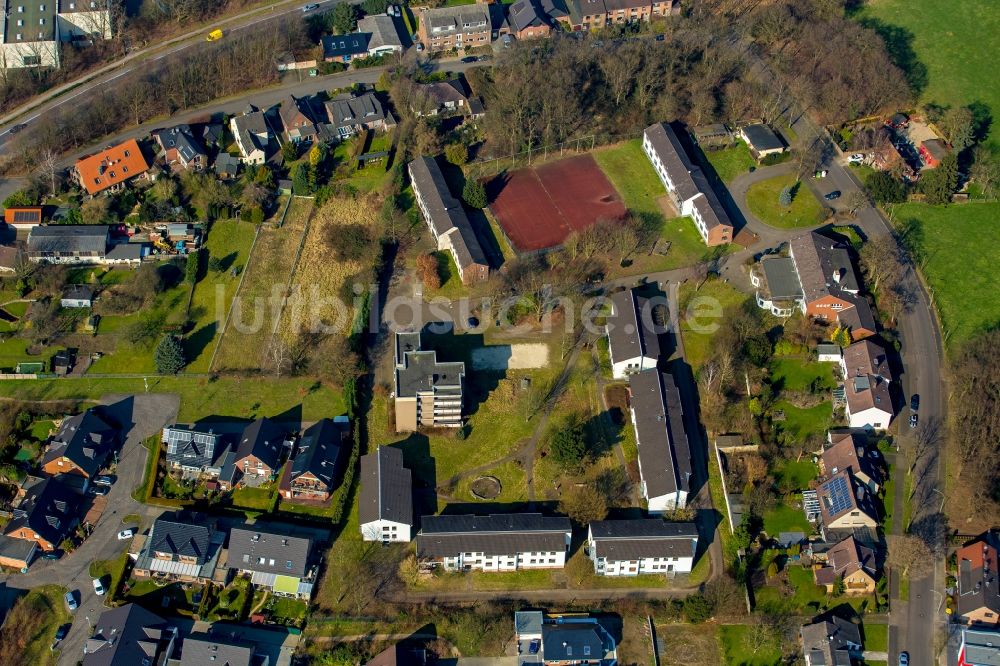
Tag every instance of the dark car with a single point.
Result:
(470, 59)
(472, 322)
(17, 128)
(660, 38)
(915, 402)
(62, 631)
(832, 195)
(534, 646)
(52, 555)
(913, 420)
(104, 480)
(98, 490)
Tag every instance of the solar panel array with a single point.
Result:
(175, 438)
(839, 492)
(25, 215)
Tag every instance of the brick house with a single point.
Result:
(316, 468)
(447, 28)
(80, 447)
(978, 599)
(258, 456)
(46, 514)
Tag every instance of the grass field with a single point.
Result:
(798, 374)
(731, 162)
(687, 644)
(794, 474)
(200, 396)
(628, 169)
(696, 308)
(802, 423)
(958, 43)
(258, 303)
(736, 653)
(806, 596)
(876, 637)
(952, 236)
(229, 241)
(15, 350)
(805, 210)
(786, 518)
(319, 276)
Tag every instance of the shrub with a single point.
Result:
(169, 356)
(474, 194)
(427, 271)
(697, 609)
(457, 154)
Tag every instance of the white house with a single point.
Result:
(641, 546)
(383, 35)
(632, 334)
(252, 136)
(77, 296)
(686, 184)
(385, 509)
(664, 452)
(866, 386)
(499, 542)
(827, 352)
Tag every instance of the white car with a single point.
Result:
(99, 587)
(856, 158)
(126, 534)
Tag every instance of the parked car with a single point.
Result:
(214, 35)
(62, 631)
(98, 490)
(857, 157)
(311, 6)
(820, 174)
(126, 534)
(904, 659)
(915, 402)
(99, 587)
(534, 646)
(832, 195)
(470, 59)
(472, 322)
(71, 603)
(420, 47)
(52, 555)
(660, 38)
(913, 420)
(17, 128)
(104, 480)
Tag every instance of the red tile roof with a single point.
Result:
(111, 166)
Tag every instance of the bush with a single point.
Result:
(427, 271)
(457, 154)
(169, 356)
(191, 268)
(474, 194)
(569, 444)
(884, 188)
(697, 609)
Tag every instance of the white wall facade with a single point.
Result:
(628, 366)
(385, 530)
(507, 562)
(17, 55)
(650, 565)
(871, 418)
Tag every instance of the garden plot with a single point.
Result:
(511, 357)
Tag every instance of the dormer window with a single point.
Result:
(41, 21)
(20, 9)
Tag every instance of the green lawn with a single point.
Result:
(950, 237)
(794, 474)
(15, 350)
(698, 310)
(876, 637)
(731, 162)
(200, 397)
(805, 210)
(958, 42)
(807, 597)
(802, 423)
(229, 241)
(628, 169)
(254, 499)
(786, 518)
(109, 571)
(797, 375)
(736, 652)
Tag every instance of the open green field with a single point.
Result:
(959, 247)
(731, 162)
(802, 423)
(786, 518)
(799, 374)
(15, 350)
(229, 241)
(805, 210)
(201, 397)
(255, 314)
(736, 652)
(697, 308)
(628, 169)
(957, 42)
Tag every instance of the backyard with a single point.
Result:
(947, 237)
(698, 307)
(253, 319)
(228, 244)
(734, 641)
(805, 210)
(795, 591)
(731, 162)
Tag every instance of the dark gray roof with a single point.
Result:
(670, 150)
(263, 439)
(831, 642)
(664, 452)
(575, 642)
(268, 552)
(762, 137)
(982, 646)
(337, 46)
(554, 8)
(496, 534)
(319, 451)
(227, 163)
(193, 448)
(181, 138)
(860, 316)
(421, 372)
(180, 539)
(80, 292)
(16, 549)
(253, 130)
(465, 243)
(85, 438)
(631, 329)
(979, 575)
(129, 634)
(126, 251)
(212, 133)
(818, 260)
(524, 14)
(354, 110)
(202, 650)
(642, 538)
(782, 281)
(62, 238)
(842, 493)
(442, 92)
(429, 182)
(386, 488)
(381, 30)
(48, 508)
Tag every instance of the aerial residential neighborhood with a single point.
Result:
(546, 332)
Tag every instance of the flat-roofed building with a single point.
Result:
(428, 393)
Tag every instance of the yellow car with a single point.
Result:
(214, 35)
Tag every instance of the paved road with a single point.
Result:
(262, 98)
(143, 58)
(140, 417)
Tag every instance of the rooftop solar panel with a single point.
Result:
(839, 492)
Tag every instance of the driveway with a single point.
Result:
(140, 417)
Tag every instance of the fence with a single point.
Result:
(492, 166)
